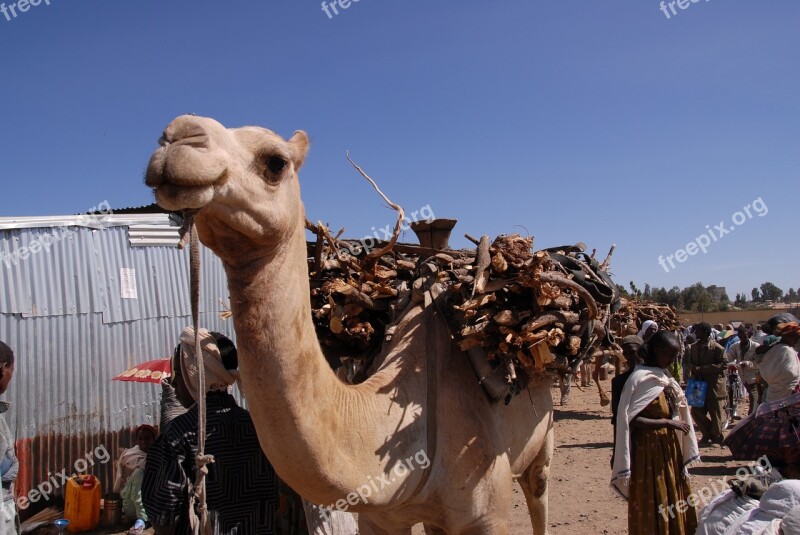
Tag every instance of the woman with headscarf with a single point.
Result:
(236, 505)
(129, 474)
(649, 328)
(655, 443)
(780, 367)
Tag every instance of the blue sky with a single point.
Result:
(601, 122)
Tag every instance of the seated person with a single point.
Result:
(129, 473)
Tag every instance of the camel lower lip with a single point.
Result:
(176, 198)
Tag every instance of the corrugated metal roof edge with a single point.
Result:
(96, 221)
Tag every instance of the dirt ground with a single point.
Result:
(581, 500)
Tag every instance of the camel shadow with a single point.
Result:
(710, 471)
(560, 415)
(588, 445)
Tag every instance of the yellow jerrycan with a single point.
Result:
(82, 503)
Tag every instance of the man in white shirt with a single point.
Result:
(758, 334)
(743, 354)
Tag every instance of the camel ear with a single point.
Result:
(299, 143)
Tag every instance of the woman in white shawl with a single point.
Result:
(655, 443)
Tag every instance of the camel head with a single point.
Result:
(241, 184)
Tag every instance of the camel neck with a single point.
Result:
(310, 424)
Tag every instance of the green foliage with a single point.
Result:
(700, 298)
(770, 292)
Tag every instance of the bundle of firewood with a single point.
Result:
(505, 303)
(517, 306)
(633, 313)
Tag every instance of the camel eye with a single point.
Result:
(276, 164)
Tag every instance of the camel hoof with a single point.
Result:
(604, 402)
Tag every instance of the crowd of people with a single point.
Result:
(654, 432)
(654, 427)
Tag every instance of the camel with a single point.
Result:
(418, 442)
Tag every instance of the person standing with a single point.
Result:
(649, 328)
(9, 466)
(633, 351)
(236, 505)
(780, 367)
(707, 363)
(743, 354)
(655, 443)
(758, 335)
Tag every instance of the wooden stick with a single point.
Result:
(575, 287)
(318, 249)
(401, 215)
(472, 239)
(483, 259)
(605, 263)
(343, 288)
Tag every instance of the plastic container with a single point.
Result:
(82, 503)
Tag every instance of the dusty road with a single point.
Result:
(581, 500)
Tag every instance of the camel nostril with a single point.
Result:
(199, 141)
(186, 130)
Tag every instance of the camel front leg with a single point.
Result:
(535, 485)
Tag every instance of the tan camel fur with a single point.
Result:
(330, 441)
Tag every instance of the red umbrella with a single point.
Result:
(147, 372)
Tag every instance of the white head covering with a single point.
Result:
(217, 377)
(645, 326)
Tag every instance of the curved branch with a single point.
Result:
(401, 215)
(582, 292)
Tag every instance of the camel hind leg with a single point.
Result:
(598, 362)
(535, 487)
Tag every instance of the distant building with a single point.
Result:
(717, 293)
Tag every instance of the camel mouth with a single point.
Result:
(179, 198)
(179, 178)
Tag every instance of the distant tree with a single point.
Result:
(697, 298)
(704, 302)
(647, 295)
(756, 295)
(635, 292)
(659, 295)
(791, 296)
(623, 292)
(741, 300)
(770, 292)
(674, 298)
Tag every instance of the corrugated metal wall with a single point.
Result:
(62, 311)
